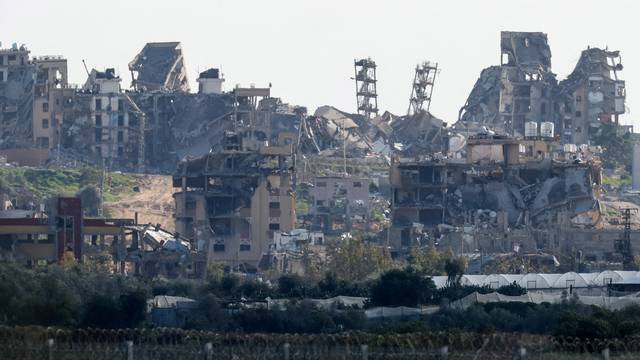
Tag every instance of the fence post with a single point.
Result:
(444, 352)
(364, 349)
(286, 350)
(129, 350)
(522, 353)
(605, 353)
(208, 351)
(50, 343)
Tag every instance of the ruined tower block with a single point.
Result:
(518, 91)
(17, 74)
(528, 49)
(232, 201)
(592, 94)
(160, 66)
(366, 90)
(52, 102)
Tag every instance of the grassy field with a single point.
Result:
(616, 182)
(43, 183)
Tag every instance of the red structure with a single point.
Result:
(68, 220)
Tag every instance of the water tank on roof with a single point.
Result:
(546, 129)
(530, 129)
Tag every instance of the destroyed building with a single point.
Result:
(591, 95)
(40, 237)
(339, 203)
(419, 133)
(518, 91)
(505, 194)
(104, 125)
(333, 133)
(61, 232)
(16, 96)
(53, 100)
(159, 66)
(154, 252)
(155, 130)
(181, 125)
(233, 199)
(523, 89)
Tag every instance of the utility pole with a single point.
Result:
(623, 245)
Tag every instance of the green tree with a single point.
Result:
(291, 285)
(101, 312)
(617, 148)
(353, 260)
(132, 308)
(216, 317)
(512, 290)
(91, 201)
(404, 287)
(455, 268)
(427, 260)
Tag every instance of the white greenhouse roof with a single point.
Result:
(547, 281)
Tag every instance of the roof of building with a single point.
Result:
(166, 302)
(609, 302)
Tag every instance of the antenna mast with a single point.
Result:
(366, 90)
(422, 89)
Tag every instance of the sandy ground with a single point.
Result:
(154, 203)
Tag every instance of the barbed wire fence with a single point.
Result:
(142, 344)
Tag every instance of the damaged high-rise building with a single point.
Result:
(519, 90)
(523, 89)
(591, 95)
(104, 125)
(159, 66)
(231, 201)
(17, 78)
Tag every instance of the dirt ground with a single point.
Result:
(612, 215)
(154, 202)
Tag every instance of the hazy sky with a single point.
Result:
(306, 48)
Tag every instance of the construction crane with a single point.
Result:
(422, 88)
(623, 245)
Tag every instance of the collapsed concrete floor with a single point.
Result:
(497, 199)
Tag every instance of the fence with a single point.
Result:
(136, 344)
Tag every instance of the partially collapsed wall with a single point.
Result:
(180, 125)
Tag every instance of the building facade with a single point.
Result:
(233, 200)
